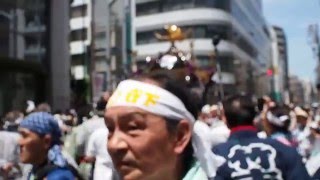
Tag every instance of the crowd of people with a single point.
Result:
(151, 127)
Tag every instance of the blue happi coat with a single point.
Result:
(250, 157)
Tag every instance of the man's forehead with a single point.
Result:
(129, 114)
(121, 111)
(25, 131)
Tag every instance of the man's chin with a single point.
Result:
(24, 160)
(129, 173)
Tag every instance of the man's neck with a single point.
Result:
(174, 173)
(243, 128)
(40, 164)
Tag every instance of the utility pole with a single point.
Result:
(129, 54)
(92, 52)
(15, 25)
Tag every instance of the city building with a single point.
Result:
(34, 53)
(310, 92)
(244, 50)
(97, 46)
(302, 92)
(80, 40)
(297, 91)
(279, 68)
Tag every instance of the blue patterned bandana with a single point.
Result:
(43, 123)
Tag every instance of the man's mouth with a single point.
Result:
(125, 165)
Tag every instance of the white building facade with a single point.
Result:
(89, 46)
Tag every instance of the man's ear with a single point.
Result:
(47, 139)
(183, 136)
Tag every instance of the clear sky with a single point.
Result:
(294, 16)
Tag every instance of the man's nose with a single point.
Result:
(116, 143)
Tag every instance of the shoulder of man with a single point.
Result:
(53, 172)
(223, 148)
(281, 147)
(284, 159)
(316, 175)
(195, 173)
(60, 174)
(285, 151)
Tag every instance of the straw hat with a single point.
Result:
(300, 112)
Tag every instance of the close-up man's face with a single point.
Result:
(32, 146)
(139, 143)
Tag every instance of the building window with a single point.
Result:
(79, 11)
(199, 32)
(32, 40)
(226, 64)
(204, 61)
(34, 20)
(173, 5)
(100, 35)
(244, 45)
(78, 35)
(219, 4)
(148, 8)
(34, 5)
(4, 48)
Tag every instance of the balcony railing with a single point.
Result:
(34, 49)
(33, 28)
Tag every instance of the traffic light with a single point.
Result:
(269, 72)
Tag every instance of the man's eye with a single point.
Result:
(133, 127)
(110, 128)
(23, 135)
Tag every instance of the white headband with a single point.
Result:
(150, 98)
(278, 121)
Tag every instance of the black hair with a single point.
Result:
(240, 110)
(184, 94)
(43, 107)
(178, 89)
(101, 104)
(260, 103)
(100, 107)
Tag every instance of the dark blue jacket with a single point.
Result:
(54, 174)
(60, 174)
(316, 175)
(253, 158)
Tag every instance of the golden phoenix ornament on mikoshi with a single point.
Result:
(174, 33)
